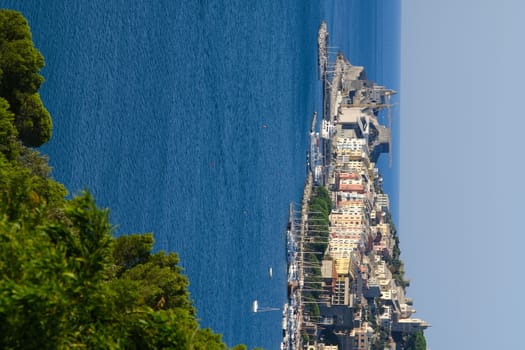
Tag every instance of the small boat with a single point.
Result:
(255, 306)
(270, 272)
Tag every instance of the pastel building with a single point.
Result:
(362, 337)
(351, 215)
(350, 182)
(382, 202)
(342, 198)
(342, 282)
(351, 144)
(342, 248)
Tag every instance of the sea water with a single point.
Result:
(190, 120)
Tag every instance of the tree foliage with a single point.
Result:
(410, 341)
(416, 341)
(8, 132)
(59, 288)
(131, 250)
(320, 206)
(33, 121)
(20, 64)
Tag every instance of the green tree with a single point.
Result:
(20, 61)
(416, 341)
(33, 121)
(31, 159)
(27, 197)
(159, 283)
(131, 250)
(20, 64)
(8, 133)
(240, 347)
(51, 295)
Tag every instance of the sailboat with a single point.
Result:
(256, 308)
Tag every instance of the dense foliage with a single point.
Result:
(320, 206)
(316, 242)
(65, 281)
(416, 341)
(410, 341)
(20, 64)
(395, 264)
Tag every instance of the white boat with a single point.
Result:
(285, 318)
(255, 306)
(270, 272)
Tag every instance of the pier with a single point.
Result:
(293, 319)
(293, 311)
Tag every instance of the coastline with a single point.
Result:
(293, 310)
(358, 284)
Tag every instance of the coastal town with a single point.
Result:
(346, 284)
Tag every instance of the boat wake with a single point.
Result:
(266, 309)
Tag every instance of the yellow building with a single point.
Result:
(362, 337)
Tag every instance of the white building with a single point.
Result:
(409, 325)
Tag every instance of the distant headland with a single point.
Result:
(346, 284)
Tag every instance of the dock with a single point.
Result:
(293, 312)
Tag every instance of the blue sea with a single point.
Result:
(190, 119)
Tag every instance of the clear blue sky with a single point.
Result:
(462, 197)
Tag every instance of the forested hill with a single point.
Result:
(65, 282)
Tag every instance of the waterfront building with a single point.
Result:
(339, 249)
(351, 145)
(351, 215)
(350, 161)
(353, 118)
(342, 283)
(409, 325)
(349, 196)
(350, 182)
(383, 202)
